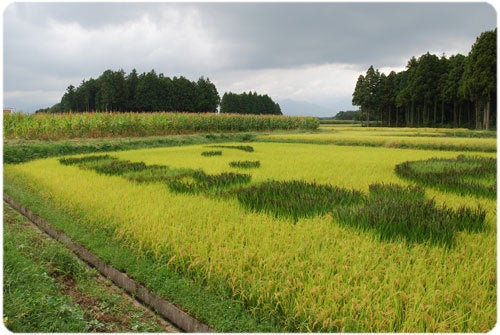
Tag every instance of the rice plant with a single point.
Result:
(84, 160)
(319, 274)
(465, 175)
(247, 148)
(178, 180)
(394, 211)
(245, 164)
(118, 167)
(295, 199)
(408, 138)
(200, 182)
(212, 153)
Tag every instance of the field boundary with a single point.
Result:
(165, 308)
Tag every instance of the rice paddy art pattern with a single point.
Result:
(466, 175)
(390, 210)
(325, 271)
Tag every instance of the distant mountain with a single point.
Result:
(304, 108)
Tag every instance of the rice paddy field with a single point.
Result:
(454, 139)
(323, 238)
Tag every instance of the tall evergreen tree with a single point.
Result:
(207, 96)
(479, 78)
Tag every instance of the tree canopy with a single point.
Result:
(459, 91)
(145, 92)
(248, 103)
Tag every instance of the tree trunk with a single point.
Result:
(478, 124)
(412, 114)
(487, 112)
(389, 116)
(435, 113)
(455, 114)
(397, 119)
(442, 113)
(469, 117)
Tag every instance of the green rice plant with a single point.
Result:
(152, 173)
(118, 167)
(295, 199)
(84, 160)
(465, 175)
(211, 153)
(247, 148)
(245, 164)
(200, 182)
(178, 180)
(394, 212)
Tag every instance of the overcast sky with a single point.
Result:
(299, 51)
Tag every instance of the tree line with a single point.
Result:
(149, 92)
(249, 103)
(459, 91)
(118, 92)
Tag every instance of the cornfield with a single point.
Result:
(95, 125)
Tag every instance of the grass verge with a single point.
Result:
(47, 289)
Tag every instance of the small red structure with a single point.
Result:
(8, 110)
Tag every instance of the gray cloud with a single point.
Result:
(48, 46)
(281, 35)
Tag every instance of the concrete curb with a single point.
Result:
(169, 311)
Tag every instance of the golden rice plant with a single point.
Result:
(314, 275)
